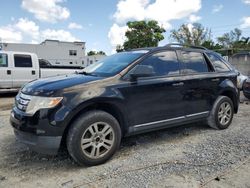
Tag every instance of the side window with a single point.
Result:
(194, 62)
(3, 60)
(72, 52)
(218, 64)
(22, 61)
(163, 63)
(44, 63)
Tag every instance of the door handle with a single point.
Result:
(9, 72)
(33, 72)
(215, 79)
(178, 84)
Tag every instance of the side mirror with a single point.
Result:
(141, 71)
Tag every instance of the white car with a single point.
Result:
(241, 79)
(18, 68)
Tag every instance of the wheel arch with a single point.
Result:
(112, 107)
(233, 96)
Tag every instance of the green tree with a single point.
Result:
(243, 43)
(142, 34)
(195, 34)
(233, 42)
(230, 39)
(210, 44)
(101, 53)
(245, 40)
(119, 48)
(90, 53)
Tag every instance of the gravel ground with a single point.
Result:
(187, 156)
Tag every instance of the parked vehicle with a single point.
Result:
(241, 78)
(246, 88)
(18, 68)
(125, 94)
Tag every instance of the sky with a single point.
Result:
(102, 23)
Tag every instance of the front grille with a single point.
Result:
(22, 101)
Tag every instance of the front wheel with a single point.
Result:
(93, 138)
(222, 113)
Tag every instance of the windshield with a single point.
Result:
(113, 64)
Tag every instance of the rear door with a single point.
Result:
(24, 70)
(201, 82)
(5, 72)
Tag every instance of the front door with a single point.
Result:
(156, 99)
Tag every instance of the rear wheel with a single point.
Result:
(222, 113)
(93, 138)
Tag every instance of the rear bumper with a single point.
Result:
(41, 144)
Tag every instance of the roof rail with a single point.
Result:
(185, 45)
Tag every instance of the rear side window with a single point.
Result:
(3, 60)
(163, 63)
(22, 61)
(44, 63)
(218, 64)
(194, 62)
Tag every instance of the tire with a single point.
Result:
(93, 138)
(219, 118)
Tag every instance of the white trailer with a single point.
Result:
(56, 52)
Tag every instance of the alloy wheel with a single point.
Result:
(97, 140)
(225, 113)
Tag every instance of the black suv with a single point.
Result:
(124, 94)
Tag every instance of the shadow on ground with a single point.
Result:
(15, 156)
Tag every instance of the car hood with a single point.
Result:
(51, 85)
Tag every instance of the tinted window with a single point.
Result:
(23, 61)
(44, 63)
(3, 60)
(218, 64)
(163, 63)
(194, 62)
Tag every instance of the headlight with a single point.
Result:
(37, 103)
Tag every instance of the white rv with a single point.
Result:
(56, 52)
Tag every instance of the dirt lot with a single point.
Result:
(187, 156)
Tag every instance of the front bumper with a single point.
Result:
(41, 144)
(36, 131)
